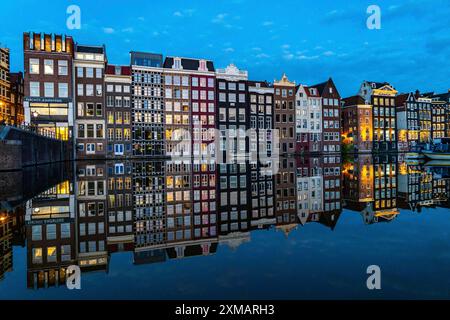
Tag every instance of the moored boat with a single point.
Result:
(438, 150)
(437, 155)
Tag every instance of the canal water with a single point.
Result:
(153, 229)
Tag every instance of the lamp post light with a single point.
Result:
(35, 115)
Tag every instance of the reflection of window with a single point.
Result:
(36, 233)
(51, 231)
(37, 255)
(65, 230)
(51, 254)
(65, 253)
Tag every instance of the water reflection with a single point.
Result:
(82, 213)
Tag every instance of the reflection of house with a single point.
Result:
(6, 238)
(179, 211)
(233, 198)
(51, 246)
(330, 219)
(235, 239)
(415, 187)
(309, 189)
(261, 167)
(150, 212)
(162, 253)
(370, 216)
(370, 187)
(385, 182)
(285, 197)
(358, 180)
(90, 191)
(332, 167)
(120, 206)
(440, 188)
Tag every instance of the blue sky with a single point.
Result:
(309, 40)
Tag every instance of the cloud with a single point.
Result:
(262, 56)
(189, 12)
(220, 18)
(304, 57)
(288, 56)
(229, 50)
(267, 23)
(128, 30)
(336, 16)
(329, 53)
(177, 14)
(108, 30)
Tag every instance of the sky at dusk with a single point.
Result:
(308, 40)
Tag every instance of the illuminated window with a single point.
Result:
(51, 254)
(37, 255)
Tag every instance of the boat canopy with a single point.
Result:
(441, 141)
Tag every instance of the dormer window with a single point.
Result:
(202, 66)
(118, 71)
(373, 85)
(176, 63)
